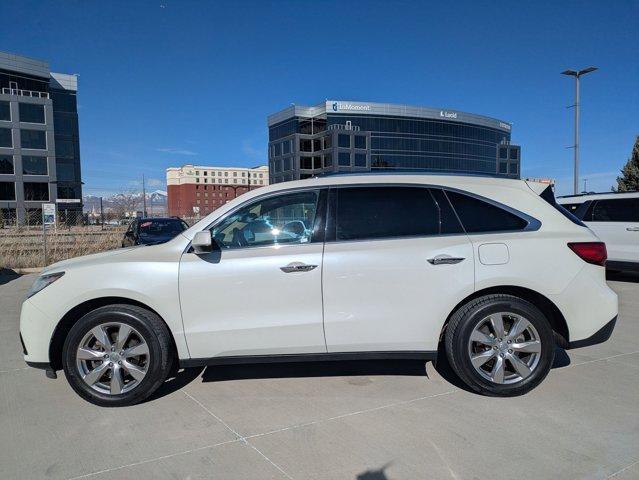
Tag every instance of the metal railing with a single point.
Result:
(24, 93)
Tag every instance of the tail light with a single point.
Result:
(591, 252)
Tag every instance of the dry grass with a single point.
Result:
(23, 248)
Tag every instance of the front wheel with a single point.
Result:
(500, 345)
(117, 355)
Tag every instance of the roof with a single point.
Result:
(386, 109)
(584, 197)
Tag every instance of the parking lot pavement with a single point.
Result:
(353, 420)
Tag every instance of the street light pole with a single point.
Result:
(577, 74)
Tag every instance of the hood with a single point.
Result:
(86, 259)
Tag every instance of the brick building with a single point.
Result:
(195, 190)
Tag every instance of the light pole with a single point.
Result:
(577, 74)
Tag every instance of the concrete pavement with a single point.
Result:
(354, 420)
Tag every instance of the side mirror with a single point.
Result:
(203, 243)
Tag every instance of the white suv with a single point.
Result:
(614, 217)
(490, 271)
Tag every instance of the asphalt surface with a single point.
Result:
(355, 420)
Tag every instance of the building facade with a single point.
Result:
(344, 136)
(39, 141)
(195, 190)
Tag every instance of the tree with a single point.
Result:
(629, 181)
(125, 204)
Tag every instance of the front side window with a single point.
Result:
(616, 210)
(366, 213)
(33, 139)
(478, 216)
(284, 219)
(31, 113)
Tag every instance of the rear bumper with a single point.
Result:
(623, 266)
(599, 336)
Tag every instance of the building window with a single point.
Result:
(197, 172)
(36, 191)
(514, 154)
(306, 145)
(197, 194)
(6, 164)
(328, 160)
(503, 152)
(31, 113)
(286, 147)
(205, 174)
(503, 167)
(197, 180)
(360, 159)
(360, 141)
(344, 159)
(34, 165)
(306, 163)
(7, 191)
(514, 168)
(5, 138)
(235, 174)
(287, 164)
(68, 191)
(35, 139)
(5, 111)
(344, 141)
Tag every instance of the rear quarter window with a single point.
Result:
(479, 216)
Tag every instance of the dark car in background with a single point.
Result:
(151, 231)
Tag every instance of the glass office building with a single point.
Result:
(39, 141)
(344, 136)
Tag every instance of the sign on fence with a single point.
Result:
(48, 214)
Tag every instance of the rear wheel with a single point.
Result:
(500, 345)
(117, 355)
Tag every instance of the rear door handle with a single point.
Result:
(297, 267)
(445, 260)
(633, 229)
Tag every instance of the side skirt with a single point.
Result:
(308, 357)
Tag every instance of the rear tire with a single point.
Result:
(500, 345)
(117, 355)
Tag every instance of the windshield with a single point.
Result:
(161, 228)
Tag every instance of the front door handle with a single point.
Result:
(297, 267)
(445, 260)
(633, 229)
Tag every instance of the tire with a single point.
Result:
(122, 373)
(485, 361)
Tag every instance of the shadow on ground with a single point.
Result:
(7, 275)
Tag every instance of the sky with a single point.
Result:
(166, 82)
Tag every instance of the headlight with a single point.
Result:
(42, 282)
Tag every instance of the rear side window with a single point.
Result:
(615, 210)
(364, 213)
(478, 216)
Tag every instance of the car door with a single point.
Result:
(616, 222)
(260, 293)
(129, 235)
(396, 261)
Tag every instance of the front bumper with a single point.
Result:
(599, 336)
(36, 330)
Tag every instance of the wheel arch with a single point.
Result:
(76, 313)
(548, 308)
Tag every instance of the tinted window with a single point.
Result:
(34, 165)
(7, 191)
(33, 139)
(360, 141)
(616, 210)
(479, 216)
(5, 138)
(5, 112)
(384, 212)
(36, 191)
(284, 219)
(31, 113)
(360, 159)
(449, 223)
(160, 228)
(344, 159)
(6, 164)
(344, 141)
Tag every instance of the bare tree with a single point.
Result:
(125, 203)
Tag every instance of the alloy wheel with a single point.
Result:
(504, 348)
(112, 358)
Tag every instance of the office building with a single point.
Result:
(195, 190)
(343, 136)
(39, 141)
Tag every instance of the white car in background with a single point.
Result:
(614, 217)
(490, 271)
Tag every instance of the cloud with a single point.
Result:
(155, 182)
(177, 151)
(252, 152)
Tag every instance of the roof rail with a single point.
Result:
(585, 194)
(411, 172)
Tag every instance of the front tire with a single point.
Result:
(500, 345)
(117, 355)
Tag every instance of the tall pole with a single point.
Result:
(143, 197)
(577, 74)
(576, 152)
(101, 215)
